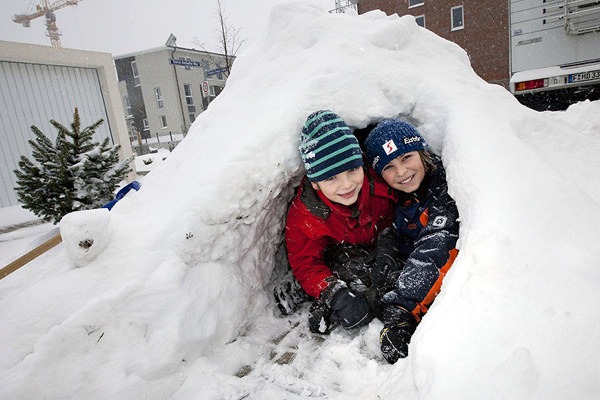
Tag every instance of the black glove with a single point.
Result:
(319, 318)
(398, 328)
(350, 309)
(395, 315)
(394, 342)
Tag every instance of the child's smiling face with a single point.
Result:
(342, 188)
(405, 173)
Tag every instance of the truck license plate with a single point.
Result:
(584, 76)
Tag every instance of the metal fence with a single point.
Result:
(153, 143)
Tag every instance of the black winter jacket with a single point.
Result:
(427, 224)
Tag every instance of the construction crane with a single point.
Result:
(46, 8)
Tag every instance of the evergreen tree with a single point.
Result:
(73, 174)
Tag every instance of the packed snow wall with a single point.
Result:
(226, 188)
(199, 238)
(228, 185)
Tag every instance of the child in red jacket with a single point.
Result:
(333, 223)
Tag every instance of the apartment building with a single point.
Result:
(164, 89)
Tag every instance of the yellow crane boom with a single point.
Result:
(46, 8)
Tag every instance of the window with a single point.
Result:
(414, 3)
(192, 117)
(146, 125)
(188, 64)
(127, 106)
(189, 100)
(159, 100)
(163, 121)
(220, 74)
(206, 67)
(458, 18)
(187, 90)
(420, 20)
(212, 91)
(135, 73)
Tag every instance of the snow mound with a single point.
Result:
(85, 234)
(178, 301)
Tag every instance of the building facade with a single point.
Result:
(166, 88)
(40, 83)
(480, 27)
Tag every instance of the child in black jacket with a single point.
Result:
(427, 226)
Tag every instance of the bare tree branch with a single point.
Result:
(228, 40)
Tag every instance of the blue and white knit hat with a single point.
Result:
(327, 146)
(390, 139)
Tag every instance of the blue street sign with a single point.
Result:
(216, 71)
(185, 63)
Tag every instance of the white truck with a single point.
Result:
(555, 52)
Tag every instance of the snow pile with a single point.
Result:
(177, 305)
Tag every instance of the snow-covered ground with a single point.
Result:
(147, 162)
(20, 231)
(177, 304)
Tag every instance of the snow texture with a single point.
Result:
(85, 234)
(178, 303)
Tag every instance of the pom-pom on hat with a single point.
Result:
(390, 139)
(327, 146)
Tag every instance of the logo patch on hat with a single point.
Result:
(389, 147)
(409, 140)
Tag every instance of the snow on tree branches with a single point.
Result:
(72, 174)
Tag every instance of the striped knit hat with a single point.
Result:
(327, 146)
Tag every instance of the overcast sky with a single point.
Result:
(124, 26)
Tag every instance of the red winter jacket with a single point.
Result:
(314, 223)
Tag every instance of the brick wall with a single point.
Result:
(485, 35)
